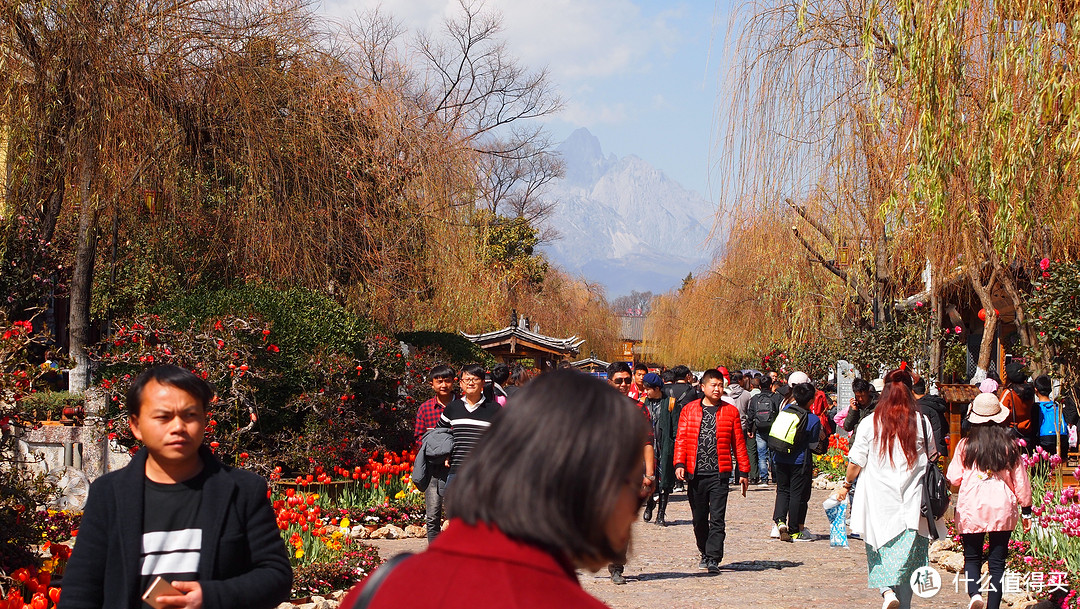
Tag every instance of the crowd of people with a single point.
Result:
(538, 477)
(730, 429)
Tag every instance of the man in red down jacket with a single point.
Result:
(709, 429)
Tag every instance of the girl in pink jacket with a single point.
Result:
(993, 481)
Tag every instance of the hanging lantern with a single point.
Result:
(982, 314)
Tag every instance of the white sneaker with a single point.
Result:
(889, 601)
(775, 534)
(976, 602)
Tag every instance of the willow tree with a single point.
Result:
(798, 146)
(756, 296)
(984, 97)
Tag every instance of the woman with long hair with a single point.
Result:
(555, 485)
(889, 457)
(993, 480)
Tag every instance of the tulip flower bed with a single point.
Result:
(315, 513)
(1053, 544)
(31, 587)
(834, 462)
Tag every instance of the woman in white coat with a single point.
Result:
(889, 458)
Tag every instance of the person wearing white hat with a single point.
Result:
(798, 378)
(992, 479)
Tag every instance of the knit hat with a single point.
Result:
(653, 379)
(988, 386)
(986, 408)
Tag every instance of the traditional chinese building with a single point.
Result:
(522, 340)
(592, 365)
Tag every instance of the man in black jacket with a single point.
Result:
(934, 408)
(178, 513)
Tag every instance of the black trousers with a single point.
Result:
(708, 497)
(751, 451)
(792, 486)
(973, 559)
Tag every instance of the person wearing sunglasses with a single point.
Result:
(621, 378)
(555, 485)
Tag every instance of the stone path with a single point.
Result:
(756, 572)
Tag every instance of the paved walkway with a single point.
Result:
(756, 572)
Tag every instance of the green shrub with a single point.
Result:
(42, 405)
(300, 380)
(459, 349)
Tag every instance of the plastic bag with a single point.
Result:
(836, 511)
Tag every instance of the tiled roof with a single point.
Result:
(568, 345)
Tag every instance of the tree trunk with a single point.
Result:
(882, 294)
(83, 274)
(935, 325)
(974, 266)
(986, 346)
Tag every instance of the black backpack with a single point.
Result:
(683, 394)
(764, 409)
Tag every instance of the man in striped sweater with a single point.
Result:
(469, 416)
(709, 430)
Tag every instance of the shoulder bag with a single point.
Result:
(935, 486)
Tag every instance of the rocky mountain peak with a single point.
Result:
(624, 223)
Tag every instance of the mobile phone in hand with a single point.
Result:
(159, 587)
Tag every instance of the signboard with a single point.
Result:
(628, 349)
(845, 374)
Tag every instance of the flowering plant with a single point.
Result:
(339, 573)
(1053, 544)
(834, 462)
(31, 585)
(300, 383)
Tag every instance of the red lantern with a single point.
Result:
(982, 314)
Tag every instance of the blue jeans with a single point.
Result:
(764, 455)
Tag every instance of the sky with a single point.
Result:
(643, 76)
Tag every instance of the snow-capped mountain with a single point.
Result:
(625, 224)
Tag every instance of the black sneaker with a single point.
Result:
(704, 563)
(617, 578)
(712, 566)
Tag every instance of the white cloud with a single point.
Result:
(577, 113)
(575, 39)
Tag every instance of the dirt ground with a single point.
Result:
(756, 571)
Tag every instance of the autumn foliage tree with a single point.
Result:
(167, 146)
